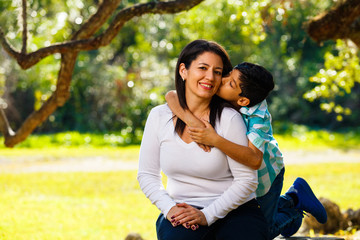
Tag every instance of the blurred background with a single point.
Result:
(315, 107)
(114, 87)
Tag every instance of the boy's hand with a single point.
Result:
(197, 123)
(188, 118)
(204, 147)
(206, 136)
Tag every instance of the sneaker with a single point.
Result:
(307, 200)
(293, 228)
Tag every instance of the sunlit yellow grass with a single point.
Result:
(74, 206)
(318, 141)
(110, 205)
(339, 182)
(49, 153)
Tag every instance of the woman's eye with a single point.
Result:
(203, 68)
(218, 72)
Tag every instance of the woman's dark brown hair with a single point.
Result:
(187, 56)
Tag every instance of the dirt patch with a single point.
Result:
(88, 164)
(27, 164)
(307, 157)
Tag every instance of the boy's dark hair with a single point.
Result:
(256, 82)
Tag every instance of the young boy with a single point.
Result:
(246, 88)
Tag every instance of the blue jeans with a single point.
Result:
(247, 222)
(278, 210)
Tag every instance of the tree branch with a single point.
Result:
(354, 32)
(94, 23)
(69, 50)
(58, 98)
(28, 60)
(24, 36)
(337, 23)
(140, 9)
(31, 122)
(7, 47)
(4, 124)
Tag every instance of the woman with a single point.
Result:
(206, 189)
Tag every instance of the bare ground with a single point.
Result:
(28, 164)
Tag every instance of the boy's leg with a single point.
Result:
(288, 219)
(306, 200)
(279, 210)
(166, 231)
(269, 202)
(297, 199)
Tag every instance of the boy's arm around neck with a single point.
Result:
(184, 114)
(249, 156)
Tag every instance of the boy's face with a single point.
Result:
(229, 89)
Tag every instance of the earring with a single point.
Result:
(183, 79)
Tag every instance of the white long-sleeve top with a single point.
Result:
(212, 181)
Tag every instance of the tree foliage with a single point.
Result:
(122, 68)
(81, 39)
(337, 79)
(340, 75)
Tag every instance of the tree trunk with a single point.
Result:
(81, 40)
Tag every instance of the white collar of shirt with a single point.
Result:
(257, 110)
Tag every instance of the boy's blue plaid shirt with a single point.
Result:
(259, 132)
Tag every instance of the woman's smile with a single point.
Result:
(206, 86)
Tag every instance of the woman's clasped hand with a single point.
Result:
(187, 216)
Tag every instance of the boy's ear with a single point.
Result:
(182, 71)
(243, 101)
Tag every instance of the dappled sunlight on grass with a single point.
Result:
(338, 182)
(295, 137)
(110, 205)
(74, 206)
(75, 139)
(319, 141)
(129, 153)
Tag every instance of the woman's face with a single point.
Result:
(203, 77)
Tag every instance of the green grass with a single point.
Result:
(76, 139)
(295, 136)
(74, 206)
(322, 140)
(338, 182)
(128, 153)
(291, 136)
(110, 205)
